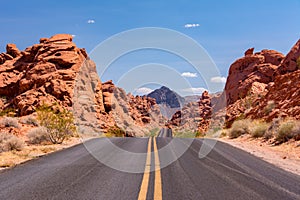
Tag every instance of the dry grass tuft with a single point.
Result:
(9, 142)
(9, 122)
(239, 128)
(38, 135)
(258, 129)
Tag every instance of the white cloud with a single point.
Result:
(198, 90)
(189, 74)
(143, 91)
(218, 79)
(91, 21)
(73, 35)
(191, 25)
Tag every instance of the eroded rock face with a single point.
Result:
(194, 115)
(56, 71)
(260, 67)
(136, 115)
(42, 74)
(205, 108)
(264, 86)
(281, 100)
(291, 62)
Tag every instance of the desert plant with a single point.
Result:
(38, 135)
(284, 132)
(153, 132)
(10, 122)
(115, 131)
(258, 129)
(9, 142)
(59, 123)
(239, 128)
(9, 112)
(29, 120)
(296, 131)
(269, 107)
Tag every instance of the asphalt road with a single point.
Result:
(165, 132)
(226, 173)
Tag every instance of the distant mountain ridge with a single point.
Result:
(168, 97)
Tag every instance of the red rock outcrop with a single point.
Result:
(264, 86)
(292, 60)
(281, 100)
(260, 67)
(56, 71)
(205, 108)
(194, 115)
(43, 73)
(108, 91)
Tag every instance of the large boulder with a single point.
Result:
(260, 67)
(43, 73)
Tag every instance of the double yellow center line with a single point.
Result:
(146, 177)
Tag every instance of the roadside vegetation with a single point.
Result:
(24, 138)
(115, 131)
(59, 123)
(153, 132)
(278, 131)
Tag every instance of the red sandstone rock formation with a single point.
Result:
(56, 71)
(264, 85)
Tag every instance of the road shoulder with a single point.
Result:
(286, 156)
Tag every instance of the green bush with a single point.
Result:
(285, 131)
(58, 122)
(38, 135)
(10, 122)
(296, 131)
(258, 129)
(9, 112)
(153, 132)
(115, 131)
(9, 142)
(239, 128)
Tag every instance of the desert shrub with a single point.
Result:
(9, 142)
(10, 122)
(269, 107)
(239, 128)
(199, 133)
(285, 131)
(115, 131)
(273, 127)
(296, 131)
(29, 120)
(258, 129)
(59, 123)
(38, 135)
(9, 112)
(153, 132)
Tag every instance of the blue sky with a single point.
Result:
(225, 28)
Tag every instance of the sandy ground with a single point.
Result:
(29, 152)
(285, 156)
